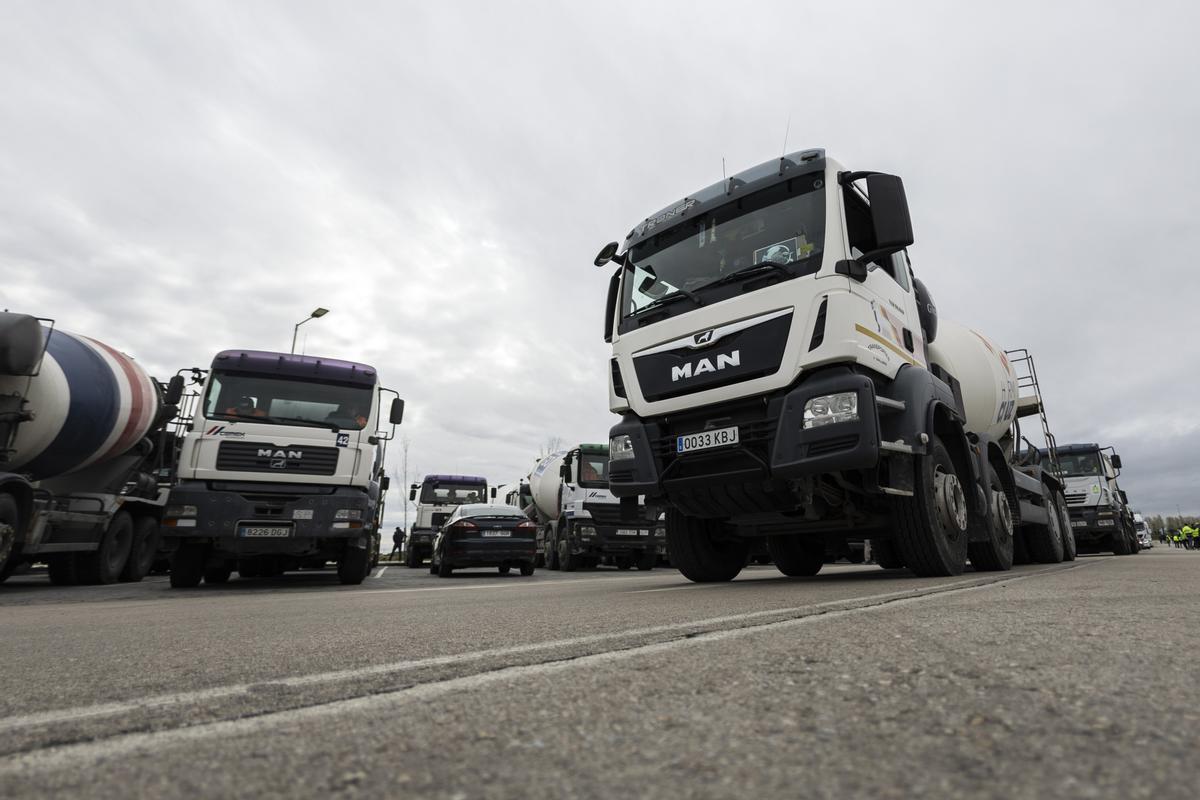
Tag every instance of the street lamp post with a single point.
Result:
(317, 313)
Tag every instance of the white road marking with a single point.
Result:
(380, 573)
(94, 753)
(157, 702)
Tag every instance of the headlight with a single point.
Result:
(587, 532)
(830, 408)
(348, 513)
(620, 448)
(180, 511)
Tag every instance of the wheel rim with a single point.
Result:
(1002, 514)
(951, 502)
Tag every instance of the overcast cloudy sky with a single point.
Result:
(180, 178)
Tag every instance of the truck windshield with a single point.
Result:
(1077, 464)
(593, 471)
(780, 229)
(291, 401)
(444, 493)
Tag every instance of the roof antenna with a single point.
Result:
(722, 169)
(786, 131)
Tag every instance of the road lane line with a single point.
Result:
(158, 702)
(380, 573)
(92, 753)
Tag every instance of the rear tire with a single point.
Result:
(444, 569)
(505, 570)
(410, 559)
(566, 561)
(10, 528)
(552, 552)
(141, 555)
(699, 551)
(187, 566)
(1046, 543)
(527, 568)
(931, 534)
(1120, 542)
(354, 566)
(647, 561)
(1064, 517)
(797, 556)
(105, 564)
(996, 553)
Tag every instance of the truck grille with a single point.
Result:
(1076, 498)
(609, 515)
(286, 459)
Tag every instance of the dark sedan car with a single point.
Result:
(482, 535)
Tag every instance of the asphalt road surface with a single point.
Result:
(1071, 680)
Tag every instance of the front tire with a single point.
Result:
(1046, 543)
(354, 566)
(566, 561)
(797, 556)
(931, 526)
(885, 554)
(527, 568)
(187, 566)
(647, 561)
(699, 550)
(218, 575)
(444, 569)
(1064, 518)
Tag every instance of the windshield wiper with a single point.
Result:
(670, 298)
(311, 422)
(745, 272)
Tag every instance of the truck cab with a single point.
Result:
(773, 367)
(283, 467)
(436, 497)
(1099, 511)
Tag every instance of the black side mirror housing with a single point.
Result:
(610, 305)
(385, 483)
(174, 391)
(853, 269)
(493, 492)
(396, 415)
(609, 253)
(1124, 497)
(1116, 461)
(889, 213)
(412, 495)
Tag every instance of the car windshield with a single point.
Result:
(291, 401)
(1077, 464)
(493, 512)
(449, 493)
(779, 229)
(593, 470)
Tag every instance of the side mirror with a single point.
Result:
(493, 492)
(1124, 497)
(564, 472)
(397, 413)
(610, 305)
(412, 495)
(889, 212)
(1116, 461)
(609, 253)
(174, 392)
(385, 483)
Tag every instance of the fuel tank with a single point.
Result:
(989, 384)
(88, 402)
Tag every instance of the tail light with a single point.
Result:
(528, 526)
(463, 525)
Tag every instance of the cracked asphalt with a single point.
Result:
(1072, 680)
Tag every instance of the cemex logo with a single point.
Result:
(693, 368)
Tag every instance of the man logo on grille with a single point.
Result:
(703, 338)
(279, 463)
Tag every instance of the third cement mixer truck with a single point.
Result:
(579, 520)
(780, 373)
(86, 455)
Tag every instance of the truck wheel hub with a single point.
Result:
(951, 502)
(1002, 513)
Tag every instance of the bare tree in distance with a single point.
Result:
(552, 445)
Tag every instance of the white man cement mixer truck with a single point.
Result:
(579, 520)
(85, 455)
(780, 373)
(282, 469)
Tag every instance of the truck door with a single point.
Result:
(895, 327)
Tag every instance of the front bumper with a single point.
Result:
(773, 443)
(222, 517)
(609, 541)
(1092, 524)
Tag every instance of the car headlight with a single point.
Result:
(620, 448)
(348, 513)
(180, 511)
(830, 408)
(587, 532)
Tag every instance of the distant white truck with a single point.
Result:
(436, 497)
(580, 522)
(1100, 515)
